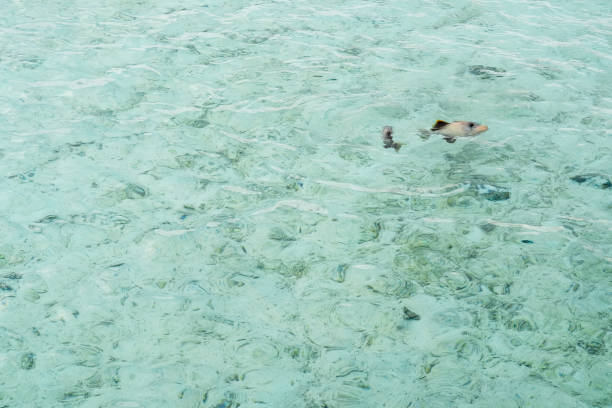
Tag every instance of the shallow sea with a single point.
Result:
(196, 209)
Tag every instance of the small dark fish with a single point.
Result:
(387, 137)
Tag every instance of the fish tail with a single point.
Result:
(424, 134)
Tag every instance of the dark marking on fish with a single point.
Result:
(439, 125)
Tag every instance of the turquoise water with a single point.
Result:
(197, 210)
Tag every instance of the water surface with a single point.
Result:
(197, 210)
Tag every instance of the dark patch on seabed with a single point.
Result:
(486, 72)
(596, 180)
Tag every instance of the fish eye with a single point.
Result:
(471, 124)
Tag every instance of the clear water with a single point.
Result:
(197, 210)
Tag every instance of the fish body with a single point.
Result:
(451, 131)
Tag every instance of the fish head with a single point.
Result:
(387, 132)
(473, 128)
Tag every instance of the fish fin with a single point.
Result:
(388, 143)
(450, 139)
(439, 125)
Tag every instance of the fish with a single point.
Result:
(453, 130)
(387, 137)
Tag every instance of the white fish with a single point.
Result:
(451, 131)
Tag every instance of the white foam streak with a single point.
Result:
(528, 227)
(297, 204)
(422, 192)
